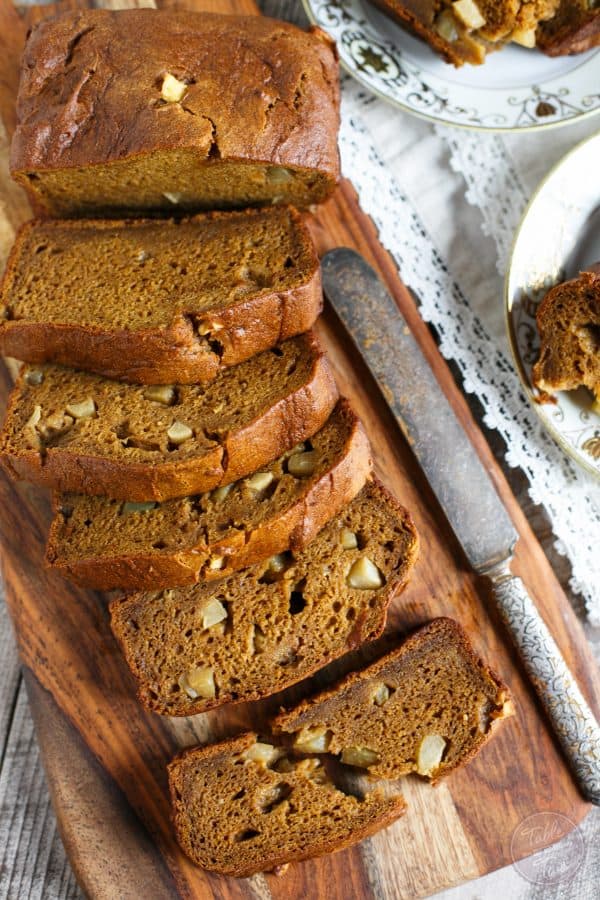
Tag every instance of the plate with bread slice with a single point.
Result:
(480, 64)
(553, 303)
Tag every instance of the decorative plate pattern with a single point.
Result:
(559, 236)
(514, 90)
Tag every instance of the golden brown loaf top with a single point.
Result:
(159, 302)
(574, 28)
(259, 630)
(242, 806)
(568, 321)
(466, 30)
(426, 707)
(106, 544)
(74, 431)
(145, 108)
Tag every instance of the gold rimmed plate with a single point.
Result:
(558, 237)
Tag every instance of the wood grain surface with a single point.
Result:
(105, 757)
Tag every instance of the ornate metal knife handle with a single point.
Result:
(574, 722)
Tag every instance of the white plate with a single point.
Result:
(559, 236)
(515, 89)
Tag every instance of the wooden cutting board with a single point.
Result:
(105, 757)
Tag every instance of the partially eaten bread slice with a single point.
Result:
(465, 31)
(568, 321)
(74, 431)
(426, 707)
(242, 806)
(256, 632)
(105, 544)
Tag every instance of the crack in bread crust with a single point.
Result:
(213, 147)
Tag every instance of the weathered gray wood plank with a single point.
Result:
(9, 674)
(32, 859)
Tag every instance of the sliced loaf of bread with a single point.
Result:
(568, 321)
(159, 302)
(242, 806)
(426, 707)
(259, 630)
(104, 544)
(74, 431)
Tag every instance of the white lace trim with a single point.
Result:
(493, 185)
(569, 496)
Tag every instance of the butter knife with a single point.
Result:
(466, 493)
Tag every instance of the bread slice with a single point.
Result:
(256, 632)
(464, 31)
(145, 109)
(159, 302)
(436, 24)
(242, 806)
(106, 544)
(426, 707)
(574, 28)
(568, 321)
(74, 431)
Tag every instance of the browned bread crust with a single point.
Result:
(433, 685)
(250, 414)
(269, 626)
(568, 321)
(574, 29)
(193, 328)
(253, 827)
(95, 134)
(93, 543)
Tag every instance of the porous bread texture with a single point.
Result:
(74, 431)
(529, 16)
(107, 544)
(574, 28)
(568, 321)
(172, 182)
(464, 31)
(154, 110)
(237, 811)
(433, 688)
(159, 301)
(259, 630)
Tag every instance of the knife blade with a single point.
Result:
(465, 491)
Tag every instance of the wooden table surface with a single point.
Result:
(32, 859)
